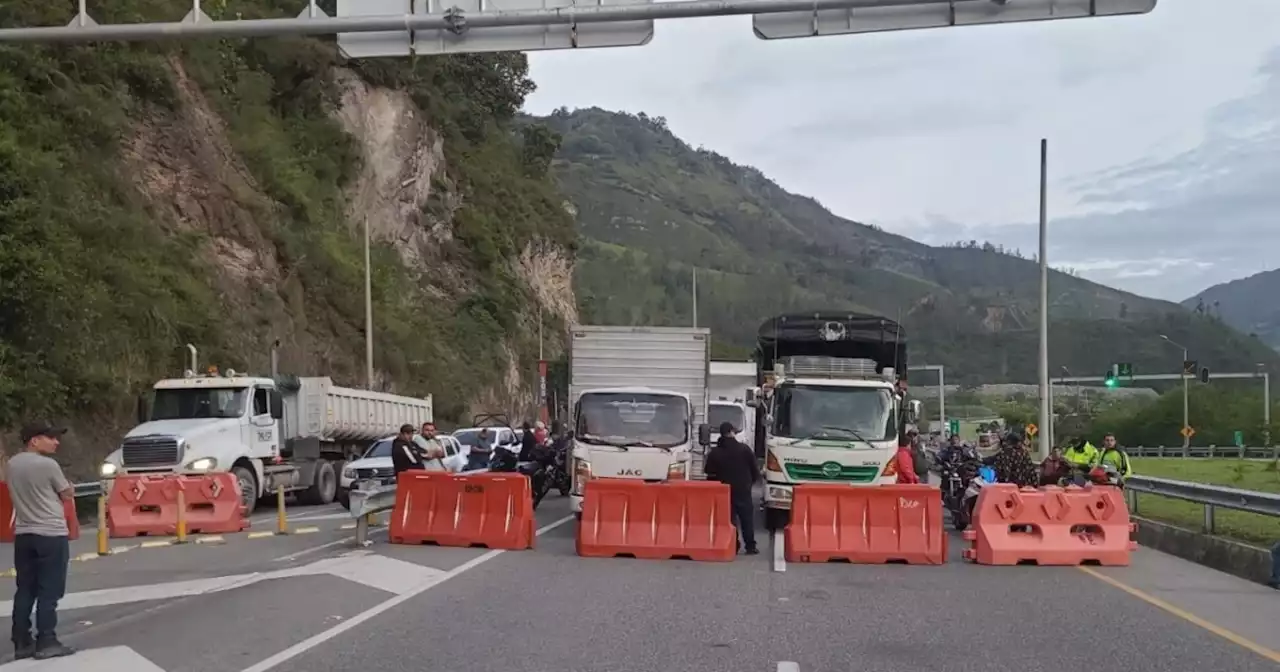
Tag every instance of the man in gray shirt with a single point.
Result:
(41, 550)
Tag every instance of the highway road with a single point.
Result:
(314, 602)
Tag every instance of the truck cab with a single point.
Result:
(736, 413)
(830, 407)
(636, 433)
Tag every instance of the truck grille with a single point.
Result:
(832, 472)
(150, 451)
(380, 472)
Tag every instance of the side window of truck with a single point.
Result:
(260, 405)
(450, 447)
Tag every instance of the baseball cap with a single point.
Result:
(32, 430)
(406, 429)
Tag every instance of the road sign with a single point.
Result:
(1189, 367)
(1032, 429)
(460, 37)
(1188, 432)
(954, 427)
(886, 15)
(1239, 439)
(1124, 370)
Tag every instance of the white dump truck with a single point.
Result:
(830, 406)
(729, 383)
(268, 431)
(639, 397)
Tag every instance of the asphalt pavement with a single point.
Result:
(315, 602)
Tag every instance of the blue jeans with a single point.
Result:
(41, 567)
(478, 461)
(1275, 565)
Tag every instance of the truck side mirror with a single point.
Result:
(915, 409)
(277, 406)
(704, 434)
(142, 409)
(751, 397)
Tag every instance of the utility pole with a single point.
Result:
(1046, 399)
(1186, 395)
(695, 297)
(368, 309)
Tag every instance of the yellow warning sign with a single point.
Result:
(1032, 429)
(1188, 431)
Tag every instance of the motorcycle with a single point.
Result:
(985, 476)
(956, 477)
(1103, 474)
(547, 470)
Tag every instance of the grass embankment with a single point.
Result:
(1260, 475)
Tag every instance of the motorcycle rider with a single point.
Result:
(1054, 468)
(1082, 456)
(1112, 454)
(1013, 464)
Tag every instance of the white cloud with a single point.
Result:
(919, 131)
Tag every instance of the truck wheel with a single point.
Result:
(776, 519)
(325, 487)
(248, 488)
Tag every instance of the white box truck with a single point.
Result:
(639, 399)
(729, 384)
(268, 431)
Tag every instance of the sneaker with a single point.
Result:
(753, 551)
(24, 649)
(52, 649)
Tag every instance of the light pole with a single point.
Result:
(368, 309)
(1046, 398)
(1186, 393)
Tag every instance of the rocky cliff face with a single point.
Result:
(217, 195)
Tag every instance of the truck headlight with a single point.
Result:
(108, 470)
(678, 471)
(581, 474)
(202, 464)
(349, 474)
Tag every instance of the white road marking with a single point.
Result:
(779, 551)
(376, 571)
(318, 639)
(788, 666)
(111, 659)
(321, 547)
(146, 593)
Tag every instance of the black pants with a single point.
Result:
(744, 518)
(41, 567)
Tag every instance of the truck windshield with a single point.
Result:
(812, 411)
(719, 415)
(192, 403)
(657, 420)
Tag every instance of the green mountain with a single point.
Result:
(1251, 305)
(651, 209)
(215, 192)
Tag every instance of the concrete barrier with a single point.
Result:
(1225, 555)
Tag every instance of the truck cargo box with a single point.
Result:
(674, 359)
(316, 408)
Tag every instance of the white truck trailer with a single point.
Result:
(729, 383)
(268, 431)
(639, 397)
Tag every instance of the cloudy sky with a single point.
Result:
(1163, 129)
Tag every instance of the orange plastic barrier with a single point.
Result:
(866, 525)
(7, 532)
(493, 510)
(1050, 526)
(147, 505)
(657, 521)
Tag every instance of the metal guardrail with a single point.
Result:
(1248, 452)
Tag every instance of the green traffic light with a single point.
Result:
(1111, 382)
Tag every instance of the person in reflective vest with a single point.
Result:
(1115, 456)
(1081, 456)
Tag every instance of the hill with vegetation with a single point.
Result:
(651, 209)
(214, 193)
(1251, 305)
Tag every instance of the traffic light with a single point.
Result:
(1110, 380)
(1204, 375)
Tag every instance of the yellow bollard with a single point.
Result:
(102, 526)
(182, 517)
(282, 520)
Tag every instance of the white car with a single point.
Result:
(376, 463)
(506, 439)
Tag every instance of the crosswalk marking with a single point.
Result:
(111, 659)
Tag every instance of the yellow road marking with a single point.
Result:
(157, 544)
(1187, 616)
(261, 535)
(348, 526)
(306, 530)
(213, 539)
(84, 557)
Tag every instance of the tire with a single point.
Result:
(324, 488)
(344, 498)
(248, 488)
(776, 519)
